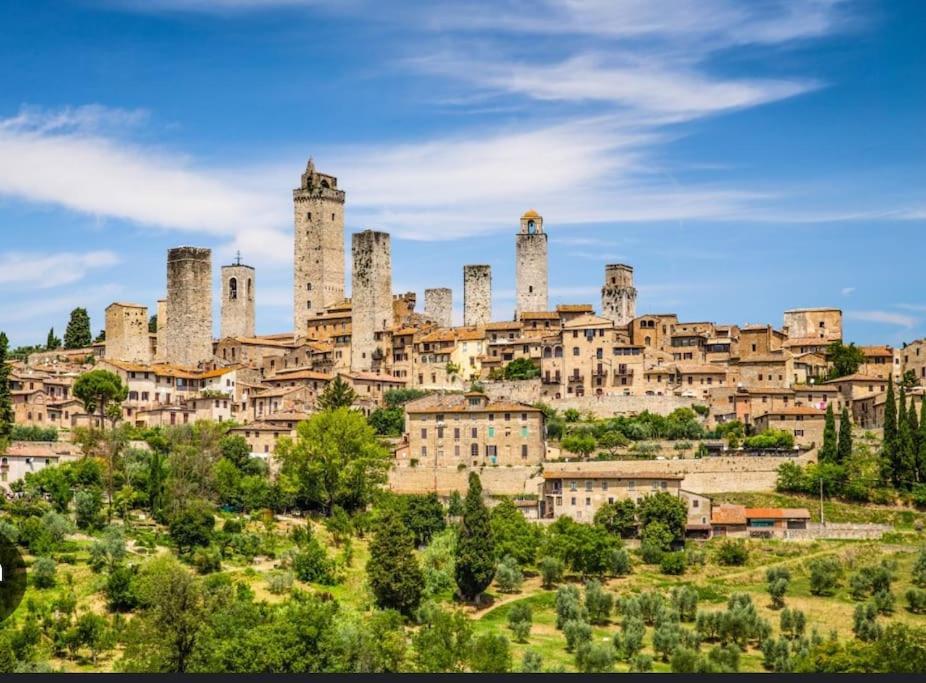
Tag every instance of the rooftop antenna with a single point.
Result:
(238, 258)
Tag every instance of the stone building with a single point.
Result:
(477, 295)
(530, 268)
(822, 323)
(438, 305)
(371, 296)
(238, 283)
(127, 333)
(618, 296)
(318, 270)
(160, 347)
(189, 306)
(471, 430)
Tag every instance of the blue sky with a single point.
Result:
(744, 157)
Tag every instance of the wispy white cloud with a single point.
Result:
(46, 270)
(886, 317)
(918, 308)
(846, 291)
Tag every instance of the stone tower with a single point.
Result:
(530, 267)
(618, 296)
(371, 296)
(161, 345)
(189, 306)
(127, 333)
(238, 284)
(477, 295)
(438, 305)
(318, 269)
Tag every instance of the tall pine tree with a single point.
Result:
(394, 574)
(77, 335)
(475, 553)
(829, 448)
(844, 449)
(6, 400)
(889, 449)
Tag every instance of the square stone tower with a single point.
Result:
(530, 267)
(127, 333)
(438, 305)
(161, 345)
(618, 296)
(238, 282)
(189, 306)
(477, 295)
(318, 268)
(371, 296)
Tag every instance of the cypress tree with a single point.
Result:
(52, 342)
(844, 449)
(394, 574)
(828, 450)
(905, 444)
(6, 401)
(77, 335)
(475, 553)
(921, 447)
(889, 443)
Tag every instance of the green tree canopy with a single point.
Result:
(336, 459)
(844, 359)
(77, 335)
(521, 368)
(392, 570)
(7, 416)
(338, 394)
(666, 508)
(513, 535)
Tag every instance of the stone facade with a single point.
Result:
(438, 305)
(822, 323)
(477, 295)
(618, 296)
(530, 266)
(371, 296)
(238, 283)
(318, 269)
(127, 333)
(189, 306)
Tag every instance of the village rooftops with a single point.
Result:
(372, 377)
(263, 341)
(858, 377)
(588, 320)
(575, 308)
(539, 315)
(795, 411)
(877, 351)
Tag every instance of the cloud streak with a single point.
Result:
(885, 317)
(43, 271)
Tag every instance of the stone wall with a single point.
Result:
(438, 305)
(189, 306)
(238, 284)
(531, 272)
(127, 333)
(371, 295)
(496, 481)
(318, 266)
(524, 390)
(611, 405)
(838, 532)
(618, 296)
(161, 344)
(477, 294)
(801, 323)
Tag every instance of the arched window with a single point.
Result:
(547, 352)
(558, 352)
(531, 227)
(233, 288)
(250, 289)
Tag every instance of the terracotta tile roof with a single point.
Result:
(539, 315)
(588, 320)
(877, 351)
(302, 373)
(575, 308)
(373, 377)
(262, 341)
(259, 427)
(697, 369)
(806, 341)
(857, 377)
(777, 513)
(763, 358)
(795, 411)
(504, 325)
(728, 514)
(40, 449)
(457, 403)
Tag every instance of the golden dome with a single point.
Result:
(530, 213)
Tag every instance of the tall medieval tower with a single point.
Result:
(238, 284)
(618, 296)
(477, 295)
(530, 270)
(438, 305)
(188, 334)
(318, 269)
(371, 296)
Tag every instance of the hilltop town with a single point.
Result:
(481, 384)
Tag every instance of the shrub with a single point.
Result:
(520, 619)
(918, 575)
(825, 573)
(532, 662)
(551, 571)
(568, 606)
(916, 600)
(490, 654)
(595, 658)
(280, 582)
(641, 664)
(732, 553)
(120, 589)
(576, 632)
(598, 603)
(685, 601)
(672, 563)
(508, 575)
(620, 562)
(43, 572)
(864, 623)
(207, 560)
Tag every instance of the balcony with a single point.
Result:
(555, 379)
(576, 378)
